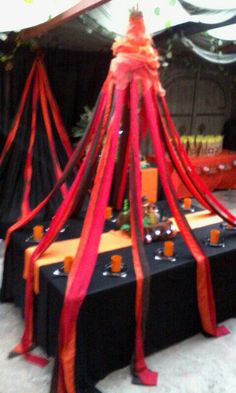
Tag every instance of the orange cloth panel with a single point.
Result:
(149, 181)
(111, 240)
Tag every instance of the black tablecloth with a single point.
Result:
(13, 283)
(12, 288)
(106, 326)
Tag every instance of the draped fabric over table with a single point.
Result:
(131, 98)
(218, 172)
(34, 155)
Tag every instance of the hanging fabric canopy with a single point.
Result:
(131, 98)
(218, 57)
(35, 152)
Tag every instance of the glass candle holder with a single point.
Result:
(38, 232)
(187, 203)
(116, 261)
(108, 213)
(214, 236)
(168, 250)
(68, 263)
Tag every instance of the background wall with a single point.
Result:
(201, 96)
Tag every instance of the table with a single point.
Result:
(105, 328)
(218, 172)
(13, 285)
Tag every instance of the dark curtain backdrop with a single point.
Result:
(75, 79)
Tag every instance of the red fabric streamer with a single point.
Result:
(176, 160)
(144, 375)
(86, 256)
(76, 157)
(13, 130)
(205, 296)
(55, 111)
(52, 147)
(25, 208)
(213, 203)
(58, 221)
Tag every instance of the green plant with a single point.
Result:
(78, 130)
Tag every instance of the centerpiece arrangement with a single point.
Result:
(156, 226)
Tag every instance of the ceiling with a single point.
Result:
(89, 27)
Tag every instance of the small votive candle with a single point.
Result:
(108, 213)
(168, 250)
(214, 236)
(187, 203)
(68, 263)
(116, 261)
(38, 232)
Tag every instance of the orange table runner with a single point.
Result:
(111, 240)
(200, 219)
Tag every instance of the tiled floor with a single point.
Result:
(196, 365)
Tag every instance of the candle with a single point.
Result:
(37, 232)
(168, 248)
(116, 263)
(108, 213)
(67, 264)
(214, 236)
(187, 203)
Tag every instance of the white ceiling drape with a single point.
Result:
(218, 58)
(37, 17)
(159, 15)
(16, 15)
(212, 4)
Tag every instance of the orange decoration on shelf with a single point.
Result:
(116, 263)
